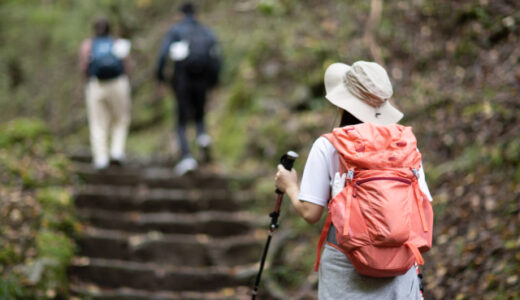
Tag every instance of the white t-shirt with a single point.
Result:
(322, 164)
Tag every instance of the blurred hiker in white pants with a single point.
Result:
(108, 104)
(104, 61)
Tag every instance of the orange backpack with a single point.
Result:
(383, 221)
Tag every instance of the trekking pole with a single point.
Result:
(287, 160)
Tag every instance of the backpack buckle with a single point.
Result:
(415, 173)
(350, 175)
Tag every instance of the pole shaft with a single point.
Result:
(262, 262)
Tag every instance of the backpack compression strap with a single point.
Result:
(417, 193)
(418, 257)
(348, 193)
(418, 200)
(323, 236)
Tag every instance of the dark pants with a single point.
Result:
(190, 93)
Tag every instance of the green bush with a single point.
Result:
(22, 131)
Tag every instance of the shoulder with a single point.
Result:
(322, 150)
(86, 43)
(85, 47)
(323, 144)
(170, 31)
(205, 28)
(175, 28)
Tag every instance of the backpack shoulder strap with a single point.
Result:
(343, 165)
(323, 236)
(343, 168)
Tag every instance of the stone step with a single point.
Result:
(150, 176)
(94, 292)
(142, 198)
(83, 156)
(109, 273)
(215, 223)
(189, 250)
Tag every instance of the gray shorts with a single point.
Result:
(338, 280)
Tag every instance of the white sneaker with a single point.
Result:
(185, 165)
(203, 140)
(100, 164)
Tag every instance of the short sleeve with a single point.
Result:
(316, 178)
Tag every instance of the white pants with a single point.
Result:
(108, 105)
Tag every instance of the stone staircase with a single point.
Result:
(150, 235)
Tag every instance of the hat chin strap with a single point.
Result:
(355, 87)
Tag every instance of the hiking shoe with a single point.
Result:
(117, 161)
(100, 164)
(186, 165)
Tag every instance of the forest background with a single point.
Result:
(455, 70)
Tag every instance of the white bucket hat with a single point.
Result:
(363, 90)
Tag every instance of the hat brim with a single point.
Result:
(340, 96)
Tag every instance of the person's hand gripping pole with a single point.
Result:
(287, 161)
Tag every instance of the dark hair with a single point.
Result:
(101, 26)
(187, 8)
(348, 119)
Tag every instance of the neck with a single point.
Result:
(348, 119)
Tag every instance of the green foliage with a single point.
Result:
(57, 210)
(28, 156)
(270, 7)
(36, 213)
(55, 251)
(11, 289)
(232, 139)
(7, 254)
(22, 131)
(241, 99)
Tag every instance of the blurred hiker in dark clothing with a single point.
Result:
(104, 61)
(194, 49)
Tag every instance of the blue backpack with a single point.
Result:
(103, 63)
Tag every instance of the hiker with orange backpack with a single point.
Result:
(368, 173)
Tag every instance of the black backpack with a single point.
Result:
(103, 63)
(200, 58)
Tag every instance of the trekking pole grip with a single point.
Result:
(287, 161)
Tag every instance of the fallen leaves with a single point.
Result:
(35, 210)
